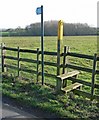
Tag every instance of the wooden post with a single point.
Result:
(18, 56)
(93, 75)
(59, 45)
(65, 61)
(2, 56)
(37, 64)
(59, 51)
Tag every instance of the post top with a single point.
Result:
(60, 22)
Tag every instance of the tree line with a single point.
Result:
(50, 29)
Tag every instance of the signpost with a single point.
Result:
(39, 10)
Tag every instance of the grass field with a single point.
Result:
(43, 96)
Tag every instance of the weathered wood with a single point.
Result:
(58, 85)
(2, 57)
(80, 55)
(37, 64)
(28, 51)
(66, 49)
(11, 58)
(58, 57)
(93, 74)
(67, 75)
(28, 60)
(50, 64)
(18, 57)
(71, 87)
(79, 68)
(80, 81)
(3, 53)
(50, 53)
(11, 49)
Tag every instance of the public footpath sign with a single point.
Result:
(39, 10)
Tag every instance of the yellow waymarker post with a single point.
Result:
(59, 51)
(59, 44)
(60, 30)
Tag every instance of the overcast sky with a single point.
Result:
(14, 13)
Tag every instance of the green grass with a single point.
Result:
(44, 96)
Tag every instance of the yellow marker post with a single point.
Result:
(60, 30)
(59, 44)
(59, 51)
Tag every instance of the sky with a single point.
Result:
(15, 13)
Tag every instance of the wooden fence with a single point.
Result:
(94, 71)
(62, 66)
(20, 59)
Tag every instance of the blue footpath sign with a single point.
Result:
(38, 10)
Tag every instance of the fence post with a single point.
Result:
(65, 61)
(37, 64)
(18, 56)
(93, 75)
(2, 56)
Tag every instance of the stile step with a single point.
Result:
(71, 87)
(69, 74)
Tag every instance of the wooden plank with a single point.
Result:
(80, 81)
(11, 49)
(80, 55)
(79, 68)
(71, 87)
(28, 60)
(11, 58)
(50, 53)
(83, 82)
(67, 75)
(28, 51)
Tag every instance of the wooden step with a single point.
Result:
(71, 87)
(69, 74)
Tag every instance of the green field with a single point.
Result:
(44, 97)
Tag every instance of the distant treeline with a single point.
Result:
(50, 29)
